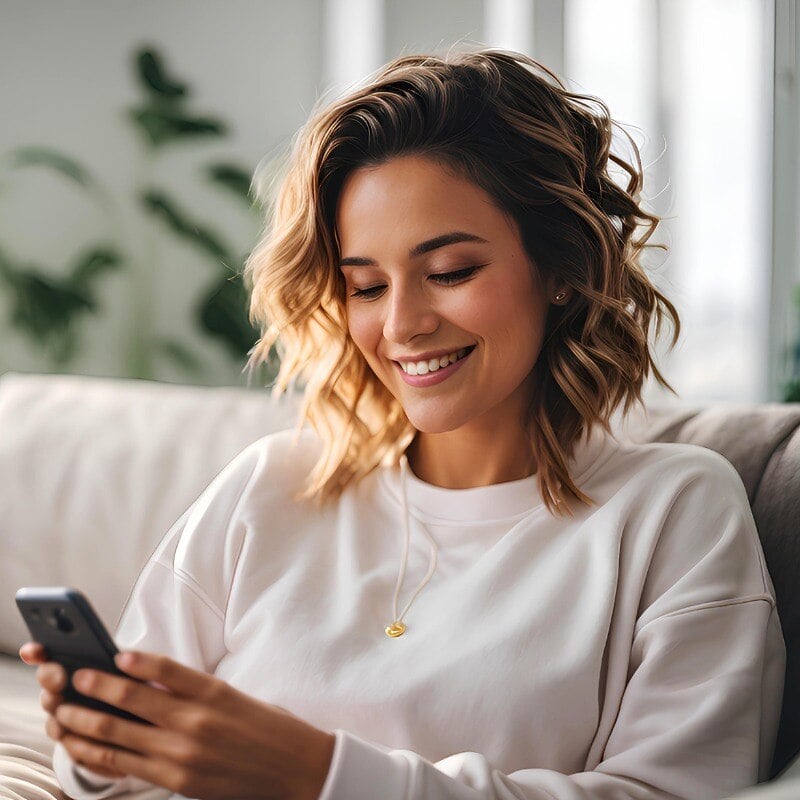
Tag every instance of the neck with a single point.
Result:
(466, 462)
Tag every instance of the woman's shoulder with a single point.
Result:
(283, 458)
(697, 535)
(268, 470)
(274, 447)
(251, 492)
(676, 464)
(279, 458)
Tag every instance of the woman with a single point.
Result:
(456, 279)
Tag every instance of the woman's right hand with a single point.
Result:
(52, 678)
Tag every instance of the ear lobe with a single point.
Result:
(558, 295)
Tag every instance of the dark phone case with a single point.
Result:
(63, 621)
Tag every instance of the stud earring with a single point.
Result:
(561, 295)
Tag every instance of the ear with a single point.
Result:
(553, 288)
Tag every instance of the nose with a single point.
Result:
(409, 314)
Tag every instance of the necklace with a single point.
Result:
(398, 628)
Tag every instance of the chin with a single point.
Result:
(434, 423)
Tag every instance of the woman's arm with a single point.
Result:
(700, 693)
(168, 612)
(698, 716)
(163, 615)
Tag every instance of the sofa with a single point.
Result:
(93, 472)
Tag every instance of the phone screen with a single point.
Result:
(64, 622)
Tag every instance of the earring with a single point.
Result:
(561, 295)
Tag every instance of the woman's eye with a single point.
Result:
(453, 277)
(446, 278)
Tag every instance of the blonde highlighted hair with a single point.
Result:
(508, 124)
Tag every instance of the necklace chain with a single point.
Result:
(398, 627)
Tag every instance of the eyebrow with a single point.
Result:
(423, 247)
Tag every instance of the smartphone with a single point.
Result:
(64, 622)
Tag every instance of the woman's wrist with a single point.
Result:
(320, 757)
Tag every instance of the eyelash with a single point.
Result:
(449, 279)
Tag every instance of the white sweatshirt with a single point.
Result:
(631, 652)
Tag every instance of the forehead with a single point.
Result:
(411, 197)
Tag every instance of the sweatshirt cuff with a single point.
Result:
(359, 769)
(81, 783)
(75, 779)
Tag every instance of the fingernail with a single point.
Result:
(124, 660)
(83, 679)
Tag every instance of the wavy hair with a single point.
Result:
(508, 124)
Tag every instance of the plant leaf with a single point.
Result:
(222, 313)
(34, 155)
(44, 306)
(159, 204)
(92, 262)
(164, 125)
(232, 177)
(152, 76)
(791, 392)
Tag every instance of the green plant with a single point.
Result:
(47, 309)
(791, 388)
(162, 119)
(45, 306)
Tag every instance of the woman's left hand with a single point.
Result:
(208, 740)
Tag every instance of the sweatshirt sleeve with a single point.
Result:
(176, 606)
(699, 713)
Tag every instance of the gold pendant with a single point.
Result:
(395, 629)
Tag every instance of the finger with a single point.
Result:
(32, 653)
(50, 701)
(154, 705)
(51, 676)
(109, 730)
(53, 728)
(172, 675)
(118, 762)
(109, 773)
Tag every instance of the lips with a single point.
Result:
(435, 377)
(467, 350)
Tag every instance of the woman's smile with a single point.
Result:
(428, 376)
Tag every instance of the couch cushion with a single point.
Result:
(94, 471)
(763, 443)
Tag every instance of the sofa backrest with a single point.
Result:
(94, 471)
(763, 442)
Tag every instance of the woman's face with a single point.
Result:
(388, 219)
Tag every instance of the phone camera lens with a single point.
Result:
(59, 619)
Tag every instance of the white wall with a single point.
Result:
(66, 81)
(261, 64)
(414, 26)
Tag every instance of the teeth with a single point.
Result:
(424, 367)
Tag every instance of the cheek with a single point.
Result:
(364, 328)
(493, 310)
(509, 319)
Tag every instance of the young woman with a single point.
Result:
(453, 581)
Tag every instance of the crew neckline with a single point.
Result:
(499, 501)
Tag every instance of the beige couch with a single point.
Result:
(93, 471)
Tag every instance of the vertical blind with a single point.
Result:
(689, 80)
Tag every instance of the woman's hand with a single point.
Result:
(209, 740)
(52, 678)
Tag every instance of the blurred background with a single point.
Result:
(131, 132)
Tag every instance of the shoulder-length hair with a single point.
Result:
(508, 124)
